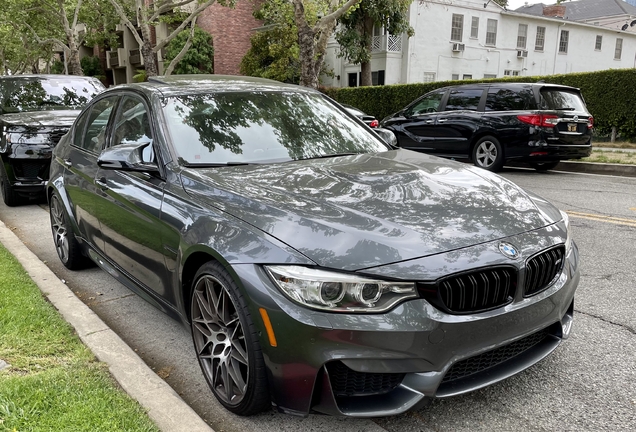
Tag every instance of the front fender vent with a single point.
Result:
(347, 382)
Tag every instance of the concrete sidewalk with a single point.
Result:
(163, 405)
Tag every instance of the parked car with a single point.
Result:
(369, 120)
(319, 269)
(491, 124)
(35, 111)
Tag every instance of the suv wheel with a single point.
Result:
(544, 166)
(9, 196)
(487, 154)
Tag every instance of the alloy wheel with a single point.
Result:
(486, 154)
(219, 340)
(60, 230)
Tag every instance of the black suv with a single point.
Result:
(492, 123)
(35, 112)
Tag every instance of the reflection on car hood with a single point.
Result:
(361, 211)
(41, 118)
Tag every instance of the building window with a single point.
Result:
(429, 77)
(619, 49)
(522, 35)
(491, 32)
(487, 76)
(455, 77)
(457, 27)
(377, 78)
(509, 72)
(467, 76)
(563, 42)
(474, 28)
(539, 42)
(599, 42)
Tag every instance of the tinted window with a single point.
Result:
(464, 99)
(428, 104)
(38, 94)
(255, 127)
(95, 135)
(500, 99)
(553, 99)
(80, 124)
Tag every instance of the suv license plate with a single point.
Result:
(572, 127)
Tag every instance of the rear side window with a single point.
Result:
(464, 99)
(561, 100)
(501, 99)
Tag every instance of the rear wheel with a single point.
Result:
(544, 166)
(66, 245)
(226, 342)
(9, 196)
(488, 154)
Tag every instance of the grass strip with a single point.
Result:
(615, 156)
(53, 382)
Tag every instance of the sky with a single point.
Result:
(514, 4)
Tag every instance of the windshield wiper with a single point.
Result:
(330, 156)
(214, 165)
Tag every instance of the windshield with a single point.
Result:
(553, 99)
(38, 94)
(253, 127)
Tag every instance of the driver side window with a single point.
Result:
(428, 104)
(132, 125)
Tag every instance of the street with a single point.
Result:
(588, 383)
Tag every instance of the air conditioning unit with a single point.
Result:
(522, 53)
(457, 47)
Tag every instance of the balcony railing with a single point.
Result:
(113, 59)
(388, 43)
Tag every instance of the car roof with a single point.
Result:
(203, 83)
(47, 76)
(510, 85)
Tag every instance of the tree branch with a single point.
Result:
(122, 14)
(194, 14)
(183, 51)
(45, 41)
(167, 6)
(76, 14)
(333, 16)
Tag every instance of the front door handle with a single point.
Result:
(442, 120)
(429, 121)
(68, 162)
(101, 182)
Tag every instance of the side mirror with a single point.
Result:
(387, 136)
(127, 157)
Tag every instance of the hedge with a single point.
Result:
(610, 96)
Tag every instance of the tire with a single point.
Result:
(544, 166)
(226, 341)
(488, 154)
(66, 245)
(9, 196)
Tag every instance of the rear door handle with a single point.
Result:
(429, 121)
(68, 162)
(442, 120)
(101, 182)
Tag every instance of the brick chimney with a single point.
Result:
(554, 11)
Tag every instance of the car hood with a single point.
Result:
(49, 118)
(361, 211)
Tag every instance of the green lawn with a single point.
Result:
(615, 156)
(53, 383)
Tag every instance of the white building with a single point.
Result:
(474, 39)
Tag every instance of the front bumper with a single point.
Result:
(406, 353)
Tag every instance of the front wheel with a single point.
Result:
(544, 166)
(488, 154)
(226, 342)
(9, 195)
(66, 245)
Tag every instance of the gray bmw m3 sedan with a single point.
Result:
(318, 268)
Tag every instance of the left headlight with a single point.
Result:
(338, 292)
(27, 138)
(568, 239)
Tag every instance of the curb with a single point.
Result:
(162, 404)
(623, 170)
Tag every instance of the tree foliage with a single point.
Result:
(355, 31)
(198, 59)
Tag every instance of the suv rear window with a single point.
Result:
(502, 99)
(560, 100)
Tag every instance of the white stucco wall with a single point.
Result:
(429, 50)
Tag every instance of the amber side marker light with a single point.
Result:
(268, 327)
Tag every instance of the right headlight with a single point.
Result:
(568, 239)
(339, 292)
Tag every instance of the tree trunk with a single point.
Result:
(365, 67)
(306, 38)
(150, 58)
(73, 61)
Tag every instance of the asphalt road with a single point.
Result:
(589, 383)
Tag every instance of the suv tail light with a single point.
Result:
(542, 120)
(590, 122)
(376, 123)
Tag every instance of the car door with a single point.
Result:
(81, 162)
(415, 130)
(459, 120)
(131, 217)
